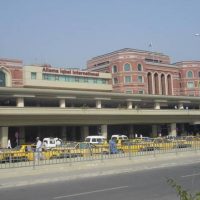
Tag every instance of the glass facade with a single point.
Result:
(79, 79)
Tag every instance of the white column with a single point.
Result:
(62, 103)
(166, 85)
(3, 137)
(159, 84)
(20, 102)
(129, 105)
(173, 129)
(104, 130)
(153, 84)
(98, 103)
(157, 105)
(84, 132)
(172, 85)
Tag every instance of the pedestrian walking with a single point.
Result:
(38, 148)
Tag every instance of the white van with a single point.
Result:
(119, 137)
(51, 142)
(95, 139)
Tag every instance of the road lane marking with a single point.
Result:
(91, 192)
(189, 175)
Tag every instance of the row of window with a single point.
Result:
(191, 75)
(190, 84)
(127, 68)
(65, 78)
(128, 79)
(129, 91)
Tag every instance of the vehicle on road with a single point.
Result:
(95, 139)
(24, 152)
(50, 142)
(81, 149)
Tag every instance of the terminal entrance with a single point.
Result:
(28, 134)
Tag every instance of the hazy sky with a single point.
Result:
(69, 32)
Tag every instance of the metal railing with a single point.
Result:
(15, 158)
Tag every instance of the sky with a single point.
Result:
(67, 33)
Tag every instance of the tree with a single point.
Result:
(183, 194)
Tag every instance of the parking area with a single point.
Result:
(25, 155)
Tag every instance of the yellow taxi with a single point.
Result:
(81, 149)
(23, 152)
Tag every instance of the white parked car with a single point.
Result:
(119, 137)
(95, 139)
(51, 142)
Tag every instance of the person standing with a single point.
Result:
(38, 148)
(9, 144)
(112, 146)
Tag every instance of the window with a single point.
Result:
(191, 94)
(190, 74)
(128, 91)
(139, 67)
(114, 69)
(33, 75)
(140, 79)
(85, 79)
(127, 79)
(94, 139)
(115, 81)
(56, 77)
(141, 92)
(104, 81)
(127, 67)
(45, 76)
(190, 84)
(2, 79)
(199, 74)
(76, 79)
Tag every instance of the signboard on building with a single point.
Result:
(68, 71)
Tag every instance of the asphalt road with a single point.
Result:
(148, 184)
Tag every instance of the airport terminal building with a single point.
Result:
(128, 91)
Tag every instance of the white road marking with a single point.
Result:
(91, 192)
(189, 175)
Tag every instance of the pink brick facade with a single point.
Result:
(11, 73)
(135, 71)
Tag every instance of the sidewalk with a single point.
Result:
(62, 172)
